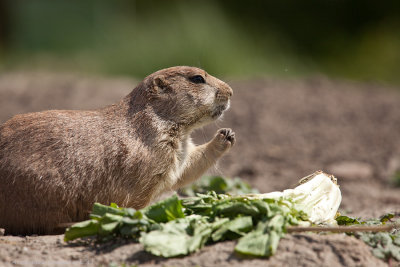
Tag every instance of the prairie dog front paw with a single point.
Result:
(227, 136)
(224, 139)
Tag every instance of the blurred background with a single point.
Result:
(316, 82)
(358, 40)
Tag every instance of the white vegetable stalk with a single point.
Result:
(318, 195)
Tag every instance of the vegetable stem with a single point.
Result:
(342, 229)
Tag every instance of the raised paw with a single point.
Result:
(223, 140)
(228, 135)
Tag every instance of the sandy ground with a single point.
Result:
(285, 130)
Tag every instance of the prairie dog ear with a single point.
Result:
(160, 84)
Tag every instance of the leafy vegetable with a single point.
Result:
(112, 220)
(222, 217)
(176, 227)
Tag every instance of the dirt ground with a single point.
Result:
(285, 130)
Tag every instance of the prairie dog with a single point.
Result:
(55, 164)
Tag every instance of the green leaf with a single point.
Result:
(178, 237)
(232, 209)
(108, 228)
(82, 229)
(262, 206)
(197, 205)
(258, 244)
(277, 223)
(264, 240)
(345, 220)
(133, 222)
(387, 217)
(254, 244)
(166, 210)
(100, 210)
(165, 244)
(110, 218)
(218, 184)
(200, 235)
(233, 229)
(114, 205)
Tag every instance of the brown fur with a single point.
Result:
(55, 164)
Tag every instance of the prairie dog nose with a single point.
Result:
(228, 90)
(224, 92)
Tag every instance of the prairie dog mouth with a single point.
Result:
(219, 109)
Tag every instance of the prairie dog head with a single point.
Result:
(187, 95)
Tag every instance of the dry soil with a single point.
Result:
(285, 130)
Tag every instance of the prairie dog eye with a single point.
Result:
(197, 79)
